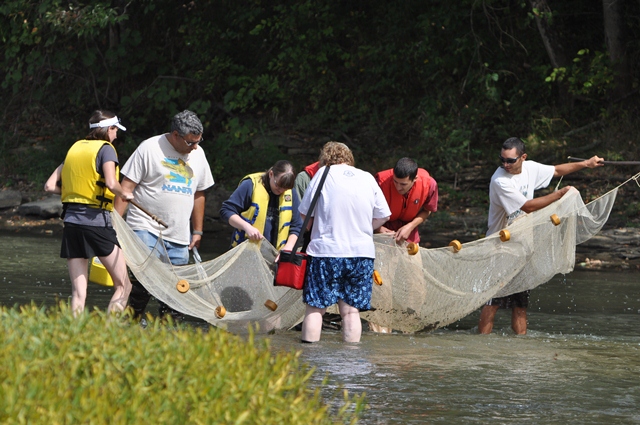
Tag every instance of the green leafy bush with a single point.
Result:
(98, 369)
(440, 81)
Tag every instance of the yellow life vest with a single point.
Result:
(256, 215)
(81, 182)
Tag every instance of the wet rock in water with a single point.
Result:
(599, 241)
(630, 255)
(45, 208)
(10, 198)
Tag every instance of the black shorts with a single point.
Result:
(87, 241)
(520, 300)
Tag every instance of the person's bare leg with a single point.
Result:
(373, 327)
(351, 324)
(312, 324)
(117, 268)
(487, 316)
(519, 320)
(78, 272)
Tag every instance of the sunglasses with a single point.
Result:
(191, 143)
(509, 160)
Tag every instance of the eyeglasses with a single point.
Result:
(509, 160)
(192, 143)
(275, 183)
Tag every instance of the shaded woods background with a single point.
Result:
(442, 81)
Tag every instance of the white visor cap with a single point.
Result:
(108, 123)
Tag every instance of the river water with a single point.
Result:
(579, 362)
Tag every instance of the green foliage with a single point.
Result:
(592, 77)
(442, 81)
(99, 369)
(34, 33)
(30, 162)
(242, 148)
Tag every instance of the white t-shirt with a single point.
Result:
(349, 201)
(166, 184)
(509, 192)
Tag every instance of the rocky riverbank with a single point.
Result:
(616, 248)
(35, 212)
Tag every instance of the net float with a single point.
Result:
(220, 312)
(377, 278)
(505, 235)
(182, 286)
(413, 248)
(271, 305)
(555, 219)
(456, 245)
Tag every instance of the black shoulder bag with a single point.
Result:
(291, 268)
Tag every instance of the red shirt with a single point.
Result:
(423, 195)
(312, 169)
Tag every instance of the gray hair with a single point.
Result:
(186, 122)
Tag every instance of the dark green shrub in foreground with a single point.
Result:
(96, 369)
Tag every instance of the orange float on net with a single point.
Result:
(505, 235)
(182, 286)
(555, 219)
(413, 248)
(220, 312)
(376, 277)
(271, 305)
(456, 245)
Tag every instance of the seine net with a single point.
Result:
(439, 286)
(430, 289)
(240, 280)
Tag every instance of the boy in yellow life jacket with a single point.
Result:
(265, 206)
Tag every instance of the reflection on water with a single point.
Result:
(462, 377)
(31, 270)
(580, 361)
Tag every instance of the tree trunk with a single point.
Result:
(615, 41)
(552, 43)
(549, 33)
